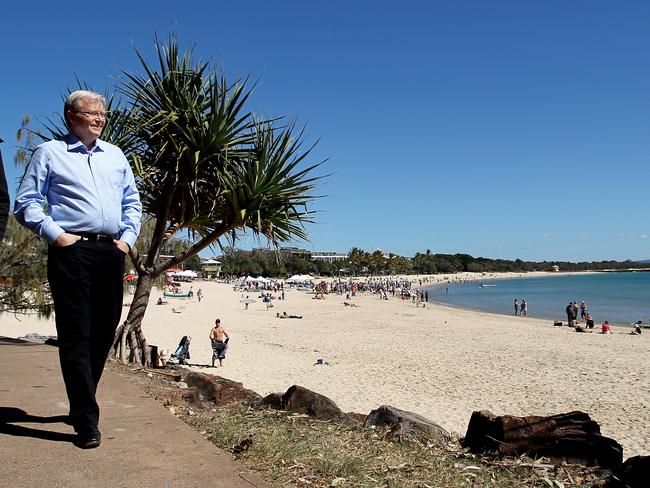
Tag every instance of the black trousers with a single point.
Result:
(86, 283)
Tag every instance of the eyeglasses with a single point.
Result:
(92, 115)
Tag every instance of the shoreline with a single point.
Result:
(440, 362)
(559, 316)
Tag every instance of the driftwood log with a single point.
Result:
(572, 435)
(403, 422)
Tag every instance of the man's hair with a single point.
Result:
(218, 321)
(72, 102)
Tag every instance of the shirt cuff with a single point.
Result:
(52, 233)
(129, 237)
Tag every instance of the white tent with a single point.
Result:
(299, 279)
(184, 274)
(261, 279)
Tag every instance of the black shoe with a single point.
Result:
(88, 440)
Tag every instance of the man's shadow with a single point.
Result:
(11, 415)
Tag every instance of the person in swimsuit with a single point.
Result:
(217, 335)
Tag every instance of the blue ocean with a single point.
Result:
(620, 298)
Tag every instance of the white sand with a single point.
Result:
(440, 362)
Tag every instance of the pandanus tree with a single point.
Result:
(205, 166)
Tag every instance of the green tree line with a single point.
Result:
(360, 262)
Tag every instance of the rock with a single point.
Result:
(273, 400)
(40, 339)
(571, 435)
(189, 395)
(402, 422)
(219, 390)
(633, 473)
(192, 396)
(301, 400)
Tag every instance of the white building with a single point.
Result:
(328, 256)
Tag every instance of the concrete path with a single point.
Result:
(142, 443)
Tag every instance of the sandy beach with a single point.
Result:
(438, 361)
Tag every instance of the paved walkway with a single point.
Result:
(142, 443)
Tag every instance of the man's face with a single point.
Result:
(85, 126)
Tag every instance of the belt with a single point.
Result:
(89, 236)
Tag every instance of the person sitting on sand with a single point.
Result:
(161, 301)
(605, 329)
(589, 321)
(350, 304)
(637, 328)
(161, 360)
(580, 328)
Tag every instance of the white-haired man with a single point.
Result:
(92, 219)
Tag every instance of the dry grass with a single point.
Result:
(295, 450)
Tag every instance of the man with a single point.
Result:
(219, 345)
(92, 221)
(4, 198)
(570, 314)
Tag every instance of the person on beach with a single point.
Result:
(199, 295)
(287, 316)
(605, 328)
(589, 321)
(516, 305)
(523, 308)
(570, 314)
(219, 344)
(5, 204)
(583, 311)
(92, 221)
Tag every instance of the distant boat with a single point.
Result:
(484, 285)
(176, 295)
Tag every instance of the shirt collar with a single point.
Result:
(75, 145)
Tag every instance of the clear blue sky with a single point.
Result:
(505, 129)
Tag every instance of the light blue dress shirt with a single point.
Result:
(85, 191)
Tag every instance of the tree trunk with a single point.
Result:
(130, 332)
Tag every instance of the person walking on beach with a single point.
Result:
(516, 305)
(92, 221)
(199, 295)
(219, 344)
